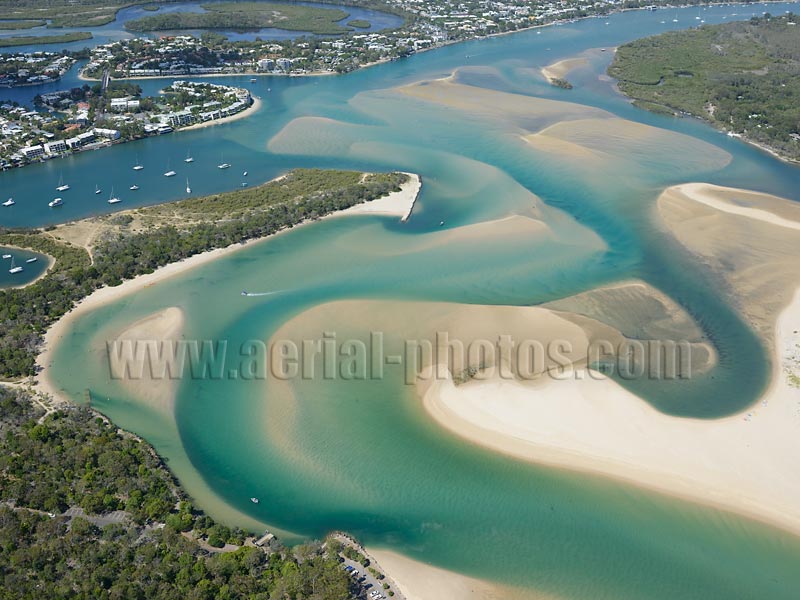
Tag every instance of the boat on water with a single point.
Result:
(254, 500)
(14, 267)
(169, 172)
(97, 189)
(55, 202)
(6, 256)
(137, 166)
(223, 166)
(134, 187)
(244, 174)
(33, 259)
(62, 187)
(112, 199)
(188, 189)
(188, 158)
(9, 202)
(244, 184)
(253, 80)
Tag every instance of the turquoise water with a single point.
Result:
(30, 271)
(363, 456)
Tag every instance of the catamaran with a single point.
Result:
(112, 199)
(62, 187)
(134, 187)
(33, 259)
(188, 189)
(137, 166)
(55, 202)
(97, 189)
(188, 158)
(9, 202)
(14, 268)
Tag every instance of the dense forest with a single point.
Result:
(743, 77)
(148, 238)
(161, 547)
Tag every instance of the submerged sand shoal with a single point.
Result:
(747, 463)
(403, 204)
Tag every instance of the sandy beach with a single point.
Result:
(746, 463)
(396, 204)
(420, 581)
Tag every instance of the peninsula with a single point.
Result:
(742, 77)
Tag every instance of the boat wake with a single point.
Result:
(253, 294)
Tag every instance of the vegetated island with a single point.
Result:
(22, 24)
(359, 23)
(743, 77)
(37, 40)
(124, 245)
(247, 15)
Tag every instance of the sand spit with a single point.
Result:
(748, 239)
(560, 69)
(397, 204)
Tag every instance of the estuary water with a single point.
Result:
(362, 456)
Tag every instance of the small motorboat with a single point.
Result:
(223, 166)
(134, 187)
(33, 259)
(254, 500)
(55, 202)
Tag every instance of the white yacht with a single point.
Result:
(223, 166)
(137, 166)
(244, 174)
(55, 202)
(62, 187)
(97, 189)
(33, 259)
(9, 202)
(188, 158)
(14, 268)
(170, 172)
(112, 199)
(6, 256)
(188, 189)
(134, 187)
(254, 500)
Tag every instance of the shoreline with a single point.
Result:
(51, 261)
(744, 463)
(106, 295)
(242, 114)
(462, 419)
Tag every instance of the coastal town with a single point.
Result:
(84, 119)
